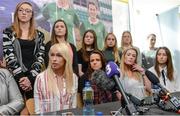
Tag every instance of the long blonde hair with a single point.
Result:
(124, 68)
(115, 48)
(16, 24)
(63, 49)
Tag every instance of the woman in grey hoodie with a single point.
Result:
(11, 101)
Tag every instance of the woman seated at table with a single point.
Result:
(165, 71)
(96, 71)
(11, 101)
(133, 78)
(56, 87)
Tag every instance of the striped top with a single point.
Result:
(46, 101)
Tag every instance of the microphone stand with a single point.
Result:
(129, 106)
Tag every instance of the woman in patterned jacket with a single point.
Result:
(23, 49)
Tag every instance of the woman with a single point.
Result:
(89, 43)
(56, 87)
(60, 35)
(148, 56)
(127, 42)
(11, 101)
(23, 48)
(111, 51)
(165, 71)
(133, 78)
(96, 69)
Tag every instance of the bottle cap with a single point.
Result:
(87, 84)
(99, 114)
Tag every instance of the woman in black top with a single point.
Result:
(110, 50)
(89, 43)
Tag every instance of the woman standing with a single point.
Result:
(127, 42)
(133, 79)
(165, 71)
(89, 43)
(60, 35)
(148, 56)
(56, 88)
(111, 51)
(23, 48)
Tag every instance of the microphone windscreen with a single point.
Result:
(112, 69)
(100, 78)
(152, 77)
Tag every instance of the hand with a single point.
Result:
(25, 84)
(80, 73)
(138, 68)
(2, 64)
(118, 95)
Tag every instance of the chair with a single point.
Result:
(79, 101)
(30, 106)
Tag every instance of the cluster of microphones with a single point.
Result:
(109, 80)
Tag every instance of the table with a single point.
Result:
(106, 108)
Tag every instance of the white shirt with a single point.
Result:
(133, 86)
(171, 86)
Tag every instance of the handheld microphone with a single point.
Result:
(113, 71)
(152, 77)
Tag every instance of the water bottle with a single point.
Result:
(88, 97)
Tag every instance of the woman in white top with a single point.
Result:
(164, 70)
(133, 79)
(56, 87)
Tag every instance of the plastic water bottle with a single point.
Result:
(88, 97)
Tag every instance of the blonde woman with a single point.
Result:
(127, 42)
(133, 78)
(110, 50)
(56, 87)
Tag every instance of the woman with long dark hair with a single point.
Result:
(165, 71)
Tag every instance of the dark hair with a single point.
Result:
(53, 35)
(85, 55)
(170, 69)
(103, 61)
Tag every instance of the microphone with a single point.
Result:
(100, 78)
(152, 77)
(105, 83)
(113, 71)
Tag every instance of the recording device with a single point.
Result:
(113, 71)
(164, 94)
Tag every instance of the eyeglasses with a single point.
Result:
(28, 11)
